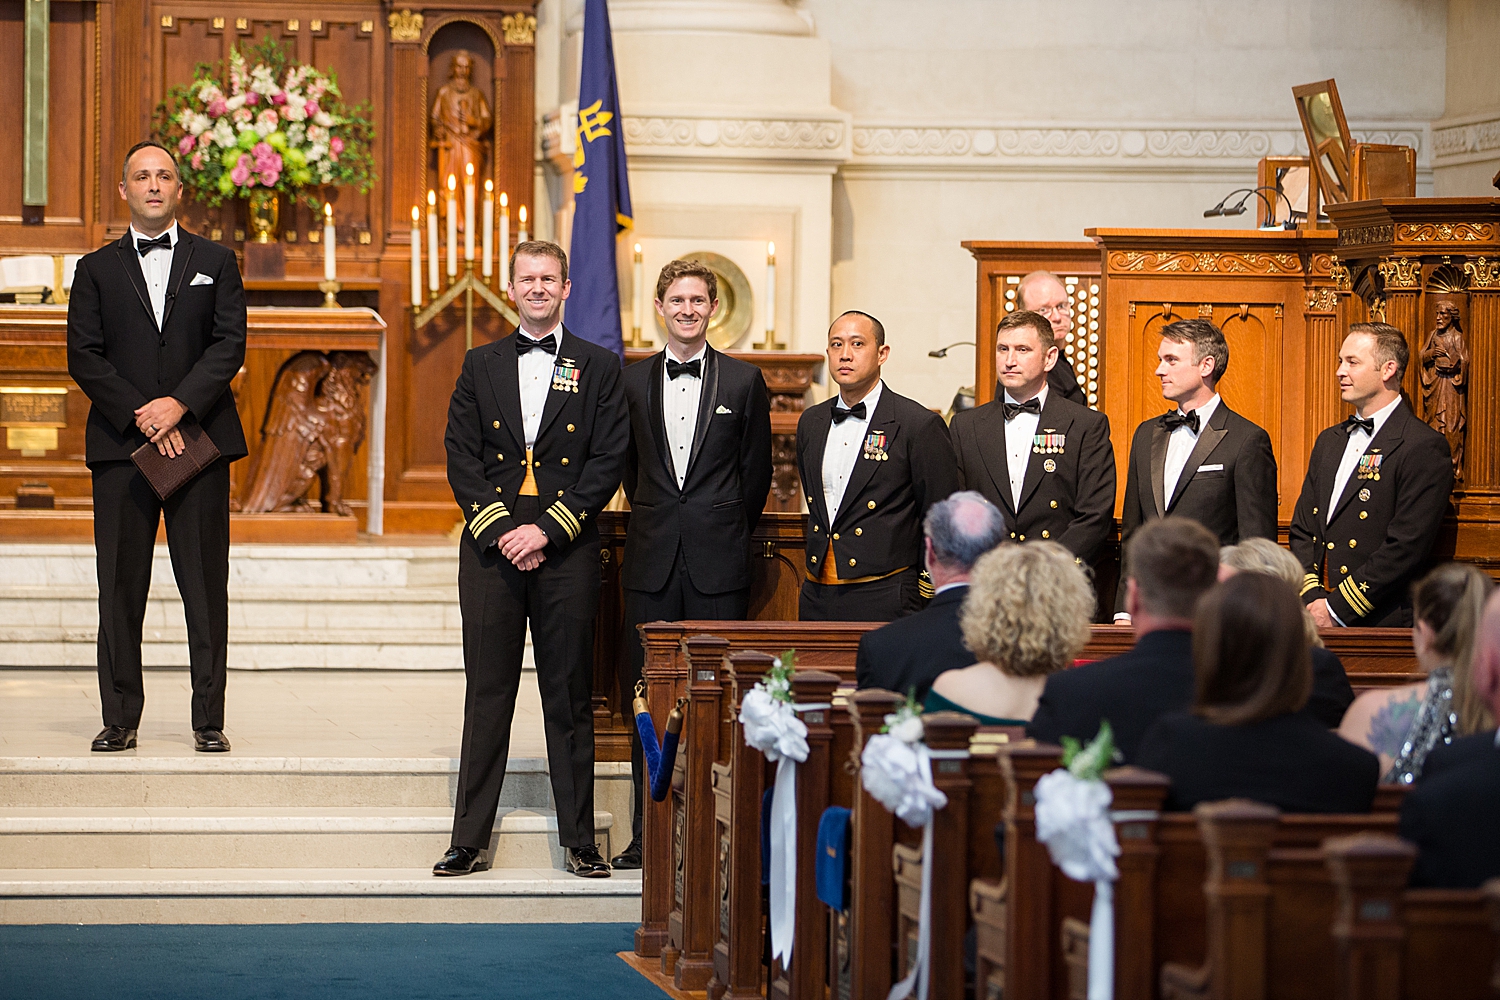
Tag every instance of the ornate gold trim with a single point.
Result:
(1340, 275)
(1445, 232)
(1401, 272)
(1483, 272)
(405, 26)
(1322, 299)
(520, 29)
(1220, 263)
(1365, 235)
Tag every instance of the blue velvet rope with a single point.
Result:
(660, 756)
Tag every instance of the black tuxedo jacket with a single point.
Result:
(1136, 688)
(728, 476)
(1073, 503)
(1064, 382)
(1290, 761)
(122, 361)
(1383, 527)
(1453, 815)
(910, 652)
(878, 527)
(579, 450)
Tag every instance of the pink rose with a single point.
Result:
(185, 146)
(204, 138)
(311, 108)
(252, 99)
(279, 97)
(336, 144)
(216, 108)
(241, 172)
(197, 161)
(243, 116)
(261, 149)
(270, 179)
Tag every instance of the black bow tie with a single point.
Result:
(1175, 419)
(1013, 410)
(857, 411)
(1354, 421)
(162, 242)
(525, 343)
(676, 368)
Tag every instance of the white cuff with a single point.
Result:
(1334, 615)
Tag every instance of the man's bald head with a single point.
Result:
(1044, 292)
(961, 529)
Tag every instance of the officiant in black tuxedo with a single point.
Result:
(696, 475)
(156, 331)
(1200, 460)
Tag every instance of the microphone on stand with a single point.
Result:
(1238, 208)
(942, 352)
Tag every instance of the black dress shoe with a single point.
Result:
(628, 859)
(587, 862)
(461, 861)
(113, 738)
(210, 741)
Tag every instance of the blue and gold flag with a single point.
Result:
(601, 189)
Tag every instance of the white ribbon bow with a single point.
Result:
(1073, 820)
(772, 727)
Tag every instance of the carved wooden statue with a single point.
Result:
(313, 426)
(1445, 381)
(460, 121)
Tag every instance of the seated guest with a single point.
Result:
(1331, 693)
(1453, 815)
(907, 654)
(1026, 616)
(1172, 561)
(1404, 724)
(1247, 736)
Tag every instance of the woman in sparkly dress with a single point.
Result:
(1403, 724)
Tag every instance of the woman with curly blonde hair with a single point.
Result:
(1026, 616)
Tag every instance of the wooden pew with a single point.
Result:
(872, 904)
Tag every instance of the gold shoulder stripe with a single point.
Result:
(1310, 582)
(565, 519)
(1357, 600)
(487, 517)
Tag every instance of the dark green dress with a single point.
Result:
(935, 702)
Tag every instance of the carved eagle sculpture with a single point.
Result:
(291, 452)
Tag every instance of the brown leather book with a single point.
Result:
(168, 475)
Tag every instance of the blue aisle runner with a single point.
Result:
(323, 961)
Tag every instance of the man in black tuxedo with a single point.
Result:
(1044, 292)
(537, 434)
(910, 652)
(1375, 493)
(871, 462)
(697, 474)
(1173, 562)
(1453, 815)
(156, 332)
(1043, 460)
(1201, 460)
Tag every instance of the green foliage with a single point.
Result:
(1089, 762)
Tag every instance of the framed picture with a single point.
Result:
(1328, 142)
(1288, 184)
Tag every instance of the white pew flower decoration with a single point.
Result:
(769, 720)
(1073, 820)
(896, 769)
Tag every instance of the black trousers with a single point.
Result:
(126, 513)
(559, 598)
(877, 601)
(679, 600)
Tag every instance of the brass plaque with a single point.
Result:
(24, 406)
(31, 442)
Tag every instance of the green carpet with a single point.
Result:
(323, 961)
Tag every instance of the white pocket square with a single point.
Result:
(201, 279)
(1211, 468)
(723, 409)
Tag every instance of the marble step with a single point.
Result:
(169, 837)
(129, 781)
(297, 895)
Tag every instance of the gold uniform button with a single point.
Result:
(499, 457)
(851, 562)
(570, 428)
(1045, 534)
(1363, 514)
(1315, 510)
(1351, 543)
(1330, 545)
(1023, 538)
(559, 492)
(814, 558)
(1013, 534)
(1343, 569)
(497, 489)
(815, 527)
(859, 531)
(871, 505)
(1054, 504)
(835, 536)
(495, 424)
(565, 461)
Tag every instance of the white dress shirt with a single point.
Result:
(535, 371)
(1180, 445)
(679, 411)
(1019, 432)
(156, 268)
(845, 442)
(1359, 440)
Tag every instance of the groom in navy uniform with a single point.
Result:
(696, 475)
(156, 332)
